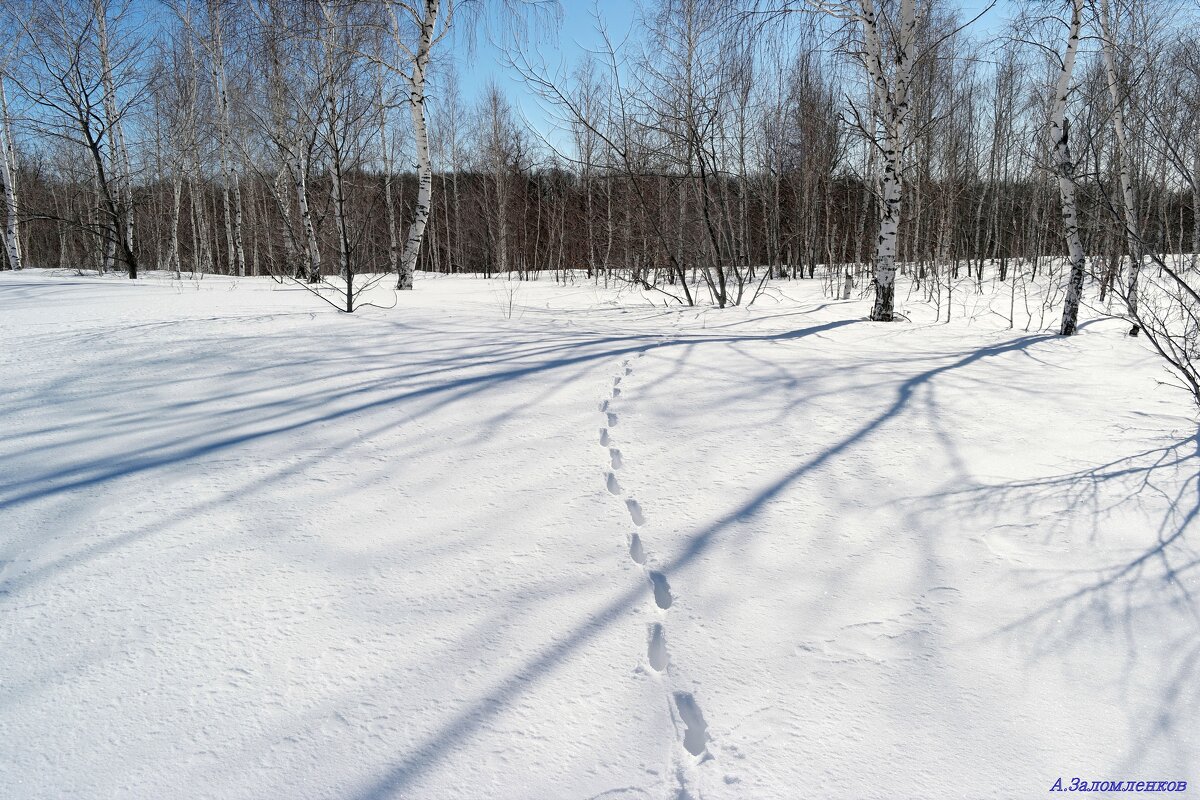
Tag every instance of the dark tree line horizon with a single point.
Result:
(693, 159)
(831, 226)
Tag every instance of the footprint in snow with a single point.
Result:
(695, 737)
(656, 650)
(662, 590)
(636, 551)
(635, 512)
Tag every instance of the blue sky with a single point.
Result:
(577, 33)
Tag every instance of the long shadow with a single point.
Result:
(406, 772)
(1154, 583)
(150, 458)
(427, 368)
(135, 462)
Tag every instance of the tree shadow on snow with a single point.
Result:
(255, 420)
(1114, 603)
(409, 770)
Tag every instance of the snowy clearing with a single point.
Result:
(515, 540)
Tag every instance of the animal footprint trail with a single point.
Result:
(686, 709)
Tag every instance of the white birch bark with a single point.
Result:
(202, 260)
(238, 246)
(176, 193)
(279, 193)
(233, 210)
(892, 103)
(312, 251)
(1064, 168)
(334, 146)
(8, 174)
(415, 78)
(1128, 201)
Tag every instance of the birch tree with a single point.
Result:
(72, 76)
(175, 94)
(343, 131)
(229, 180)
(291, 117)
(431, 27)
(889, 68)
(8, 176)
(1129, 211)
(1064, 170)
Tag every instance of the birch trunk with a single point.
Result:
(201, 253)
(8, 174)
(300, 165)
(416, 96)
(238, 246)
(290, 247)
(1064, 168)
(892, 103)
(173, 255)
(233, 210)
(1128, 201)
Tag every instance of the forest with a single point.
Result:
(702, 147)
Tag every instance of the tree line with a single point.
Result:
(706, 147)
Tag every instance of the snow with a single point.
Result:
(521, 540)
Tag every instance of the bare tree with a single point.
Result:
(431, 26)
(889, 66)
(1117, 89)
(8, 179)
(73, 74)
(1064, 169)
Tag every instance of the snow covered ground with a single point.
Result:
(515, 540)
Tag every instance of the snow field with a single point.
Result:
(581, 546)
